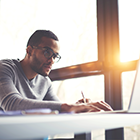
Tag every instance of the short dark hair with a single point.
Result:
(35, 38)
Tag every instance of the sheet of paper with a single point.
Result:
(28, 112)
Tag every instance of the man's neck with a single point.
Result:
(30, 74)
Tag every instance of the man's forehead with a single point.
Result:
(51, 43)
(46, 39)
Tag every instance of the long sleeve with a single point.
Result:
(18, 93)
(16, 102)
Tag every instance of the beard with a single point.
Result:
(38, 67)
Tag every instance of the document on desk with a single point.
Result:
(28, 112)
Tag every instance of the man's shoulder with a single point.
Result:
(8, 63)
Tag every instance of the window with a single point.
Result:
(129, 29)
(70, 90)
(129, 51)
(74, 22)
(127, 85)
(89, 39)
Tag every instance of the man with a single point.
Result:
(25, 84)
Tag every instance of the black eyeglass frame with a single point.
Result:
(54, 55)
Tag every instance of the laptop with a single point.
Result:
(134, 103)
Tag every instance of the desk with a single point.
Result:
(40, 126)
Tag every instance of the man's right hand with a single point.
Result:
(86, 107)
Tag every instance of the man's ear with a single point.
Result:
(29, 50)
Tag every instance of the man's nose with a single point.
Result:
(51, 59)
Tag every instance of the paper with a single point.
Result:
(28, 112)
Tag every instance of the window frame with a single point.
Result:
(108, 62)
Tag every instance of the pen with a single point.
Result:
(83, 96)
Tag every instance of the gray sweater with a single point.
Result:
(18, 93)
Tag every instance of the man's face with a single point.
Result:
(38, 62)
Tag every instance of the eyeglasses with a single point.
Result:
(49, 53)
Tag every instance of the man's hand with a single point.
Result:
(86, 107)
(82, 101)
(102, 105)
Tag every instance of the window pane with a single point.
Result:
(73, 21)
(131, 132)
(129, 29)
(70, 91)
(127, 84)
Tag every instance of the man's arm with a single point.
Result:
(16, 102)
(10, 97)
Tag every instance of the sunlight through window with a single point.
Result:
(129, 25)
(74, 22)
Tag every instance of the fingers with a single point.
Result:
(105, 103)
(88, 107)
(102, 105)
(107, 106)
(88, 101)
(82, 101)
(81, 108)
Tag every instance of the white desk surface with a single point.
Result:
(40, 126)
